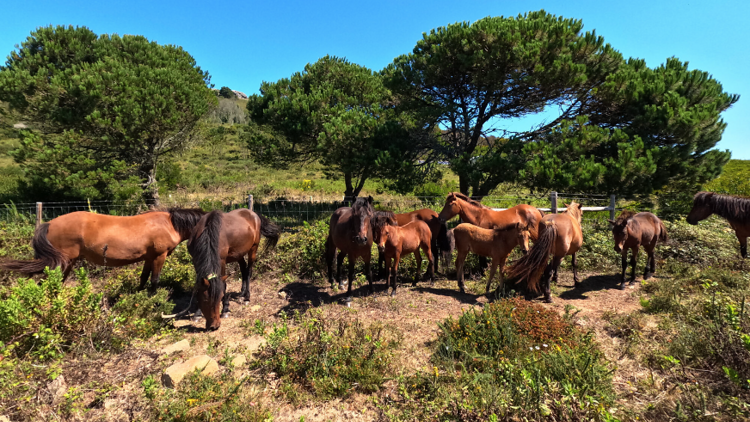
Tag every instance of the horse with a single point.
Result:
(474, 212)
(110, 241)
(736, 210)
(438, 228)
(350, 232)
(631, 231)
(447, 253)
(495, 243)
(220, 238)
(559, 235)
(395, 241)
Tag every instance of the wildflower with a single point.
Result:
(543, 344)
(537, 347)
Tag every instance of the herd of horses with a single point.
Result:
(216, 238)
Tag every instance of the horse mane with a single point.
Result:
(184, 219)
(204, 248)
(382, 218)
(467, 199)
(505, 228)
(624, 216)
(363, 208)
(733, 208)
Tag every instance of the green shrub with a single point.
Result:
(301, 253)
(329, 358)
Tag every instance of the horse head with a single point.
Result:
(451, 208)
(380, 222)
(524, 234)
(574, 210)
(620, 229)
(362, 212)
(701, 207)
(210, 293)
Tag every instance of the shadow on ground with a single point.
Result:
(591, 284)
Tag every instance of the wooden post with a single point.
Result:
(612, 203)
(553, 202)
(38, 214)
(250, 202)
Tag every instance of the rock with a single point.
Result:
(238, 360)
(253, 343)
(180, 346)
(57, 389)
(282, 294)
(255, 308)
(4, 419)
(175, 373)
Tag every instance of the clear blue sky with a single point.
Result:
(244, 43)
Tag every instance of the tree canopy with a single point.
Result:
(226, 92)
(102, 107)
(620, 126)
(340, 114)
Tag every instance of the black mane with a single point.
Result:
(733, 208)
(467, 199)
(184, 219)
(362, 207)
(382, 218)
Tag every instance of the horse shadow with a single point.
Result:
(466, 298)
(303, 296)
(591, 284)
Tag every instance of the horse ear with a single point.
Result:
(206, 283)
(369, 199)
(612, 222)
(580, 206)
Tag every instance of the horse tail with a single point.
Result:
(270, 231)
(663, 237)
(531, 265)
(204, 248)
(443, 241)
(45, 255)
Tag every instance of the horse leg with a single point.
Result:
(547, 292)
(382, 271)
(396, 261)
(69, 268)
(339, 265)
(624, 268)
(431, 266)
(434, 251)
(460, 259)
(633, 263)
(574, 263)
(350, 278)
(743, 243)
(145, 274)
(418, 259)
(368, 272)
(157, 265)
(649, 265)
(330, 254)
(493, 268)
(501, 284)
(245, 271)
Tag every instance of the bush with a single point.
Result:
(330, 358)
(514, 360)
(302, 253)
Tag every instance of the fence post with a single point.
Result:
(553, 202)
(612, 202)
(250, 202)
(38, 214)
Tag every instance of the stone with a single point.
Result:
(4, 419)
(255, 308)
(180, 346)
(238, 360)
(282, 294)
(175, 373)
(57, 388)
(253, 343)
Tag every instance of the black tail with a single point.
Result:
(270, 231)
(204, 248)
(45, 255)
(531, 265)
(444, 242)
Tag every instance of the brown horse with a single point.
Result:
(633, 230)
(438, 229)
(475, 213)
(218, 239)
(395, 241)
(560, 235)
(494, 243)
(110, 241)
(734, 209)
(350, 233)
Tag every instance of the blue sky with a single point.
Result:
(243, 43)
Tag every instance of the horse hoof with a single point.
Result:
(547, 300)
(342, 286)
(622, 286)
(246, 302)
(196, 318)
(225, 315)
(647, 276)
(348, 300)
(393, 293)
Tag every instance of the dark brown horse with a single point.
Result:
(632, 231)
(350, 233)
(395, 241)
(493, 243)
(559, 235)
(735, 209)
(475, 213)
(110, 241)
(218, 239)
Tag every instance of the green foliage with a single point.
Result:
(338, 113)
(329, 358)
(514, 360)
(101, 105)
(227, 92)
(301, 253)
(228, 112)
(734, 179)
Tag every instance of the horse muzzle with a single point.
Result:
(381, 249)
(360, 240)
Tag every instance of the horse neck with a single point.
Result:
(470, 214)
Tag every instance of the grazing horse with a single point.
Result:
(633, 230)
(494, 243)
(220, 238)
(110, 241)
(350, 232)
(559, 235)
(734, 209)
(395, 241)
(474, 212)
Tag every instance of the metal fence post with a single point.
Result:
(612, 203)
(250, 202)
(38, 214)
(553, 202)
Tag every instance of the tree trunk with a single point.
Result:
(464, 183)
(150, 192)
(349, 194)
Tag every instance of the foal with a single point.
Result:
(494, 243)
(396, 241)
(633, 230)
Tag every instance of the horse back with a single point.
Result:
(649, 229)
(569, 234)
(240, 232)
